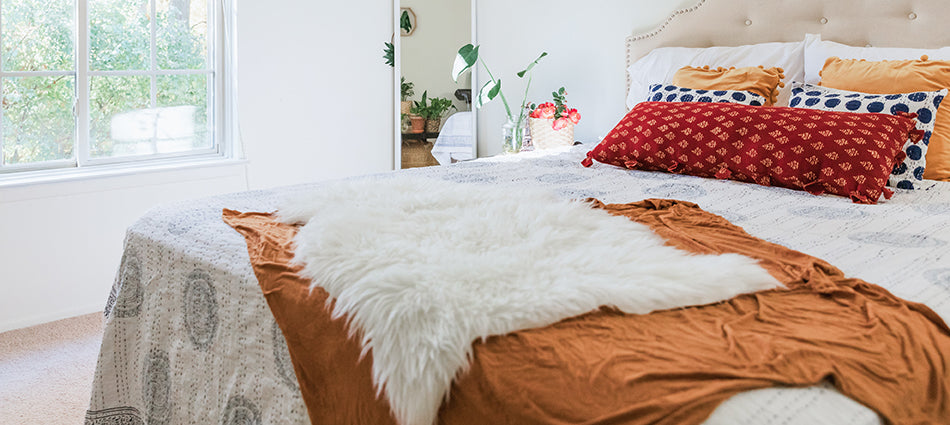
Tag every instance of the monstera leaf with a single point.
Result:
(467, 57)
(464, 60)
(488, 92)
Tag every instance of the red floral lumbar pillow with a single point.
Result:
(841, 153)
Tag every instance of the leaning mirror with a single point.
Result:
(435, 122)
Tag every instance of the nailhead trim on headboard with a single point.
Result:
(659, 29)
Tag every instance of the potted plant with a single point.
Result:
(432, 111)
(406, 92)
(417, 124)
(552, 123)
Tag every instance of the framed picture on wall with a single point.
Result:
(407, 21)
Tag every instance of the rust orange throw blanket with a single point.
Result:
(668, 367)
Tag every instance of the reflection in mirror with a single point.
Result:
(435, 120)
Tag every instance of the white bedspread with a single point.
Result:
(190, 339)
(455, 141)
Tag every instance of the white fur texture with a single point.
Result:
(423, 268)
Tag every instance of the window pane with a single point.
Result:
(38, 123)
(119, 35)
(120, 119)
(37, 35)
(185, 97)
(182, 34)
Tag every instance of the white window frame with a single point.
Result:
(221, 106)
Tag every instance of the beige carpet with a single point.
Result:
(46, 371)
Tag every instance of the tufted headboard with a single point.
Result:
(880, 23)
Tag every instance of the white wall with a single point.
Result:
(428, 54)
(316, 96)
(60, 243)
(315, 104)
(585, 43)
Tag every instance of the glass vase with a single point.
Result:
(512, 135)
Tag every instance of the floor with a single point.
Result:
(46, 371)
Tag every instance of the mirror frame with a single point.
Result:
(397, 85)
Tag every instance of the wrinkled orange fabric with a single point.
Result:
(759, 80)
(667, 367)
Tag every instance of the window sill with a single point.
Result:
(60, 182)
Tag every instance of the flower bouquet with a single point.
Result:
(552, 123)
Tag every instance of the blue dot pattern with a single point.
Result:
(908, 174)
(671, 93)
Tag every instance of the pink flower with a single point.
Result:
(574, 115)
(561, 123)
(544, 110)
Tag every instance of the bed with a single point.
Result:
(190, 338)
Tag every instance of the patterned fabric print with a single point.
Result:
(115, 416)
(244, 376)
(189, 329)
(671, 93)
(816, 151)
(907, 174)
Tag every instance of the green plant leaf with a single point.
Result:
(404, 22)
(531, 65)
(389, 54)
(464, 60)
(488, 92)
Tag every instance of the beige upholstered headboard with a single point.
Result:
(880, 23)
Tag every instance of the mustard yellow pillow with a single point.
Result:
(759, 80)
(900, 76)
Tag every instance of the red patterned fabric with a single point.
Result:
(841, 153)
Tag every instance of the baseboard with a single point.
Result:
(50, 317)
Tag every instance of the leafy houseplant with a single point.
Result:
(405, 93)
(389, 54)
(513, 130)
(432, 110)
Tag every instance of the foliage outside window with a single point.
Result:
(128, 80)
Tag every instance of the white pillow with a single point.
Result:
(817, 51)
(659, 66)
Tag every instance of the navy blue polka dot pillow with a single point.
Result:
(671, 93)
(908, 174)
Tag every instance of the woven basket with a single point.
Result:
(544, 136)
(417, 154)
(432, 126)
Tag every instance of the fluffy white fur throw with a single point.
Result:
(422, 268)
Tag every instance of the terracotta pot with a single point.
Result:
(418, 124)
(432, 126)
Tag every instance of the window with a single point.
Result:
(128, 81)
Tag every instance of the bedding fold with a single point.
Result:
(418, 295)
(668, 367)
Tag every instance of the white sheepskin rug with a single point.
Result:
(422, 268)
